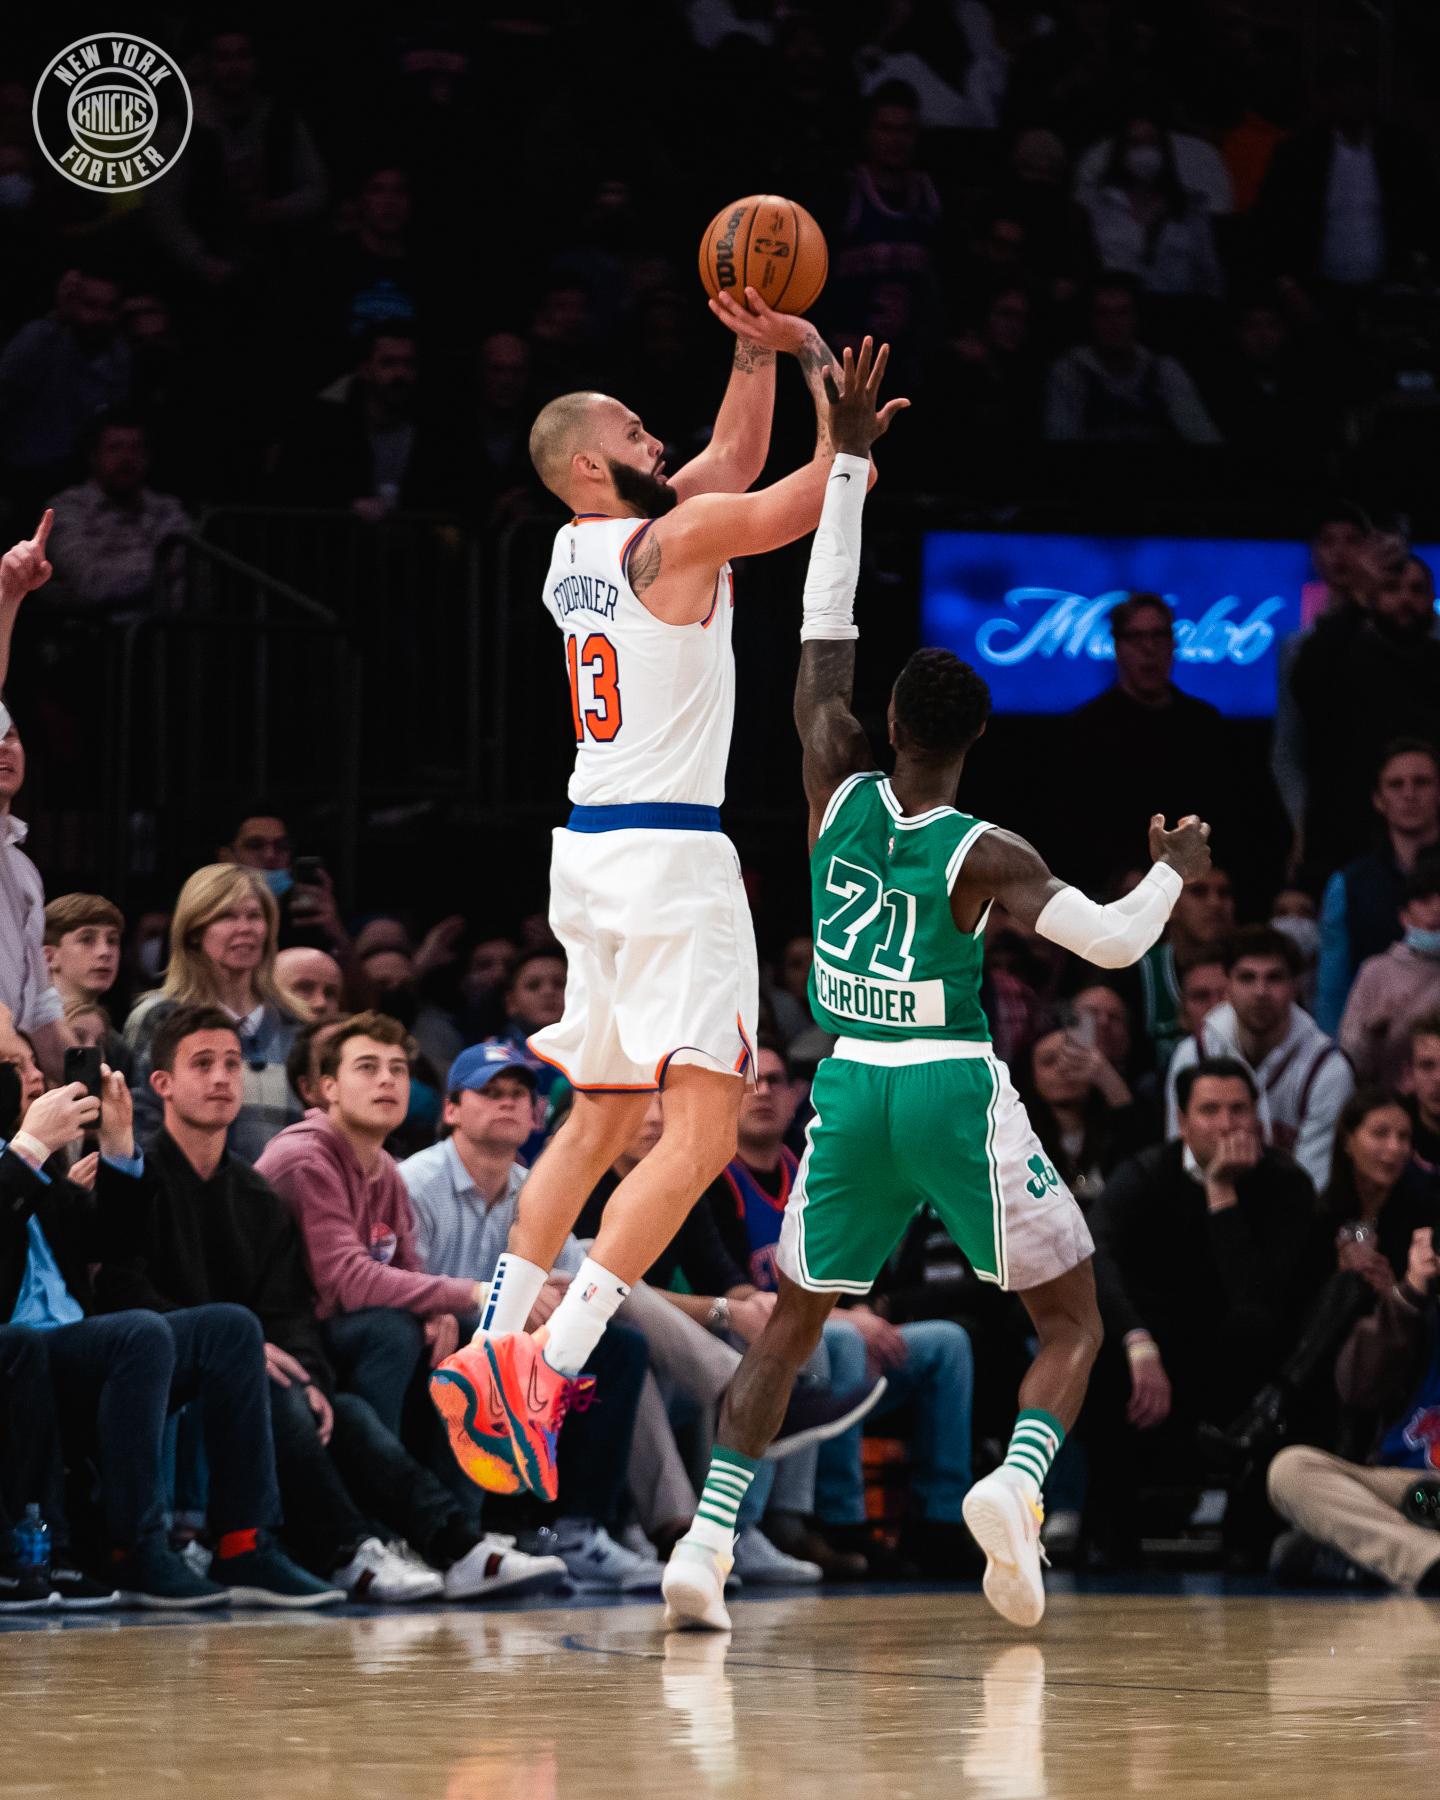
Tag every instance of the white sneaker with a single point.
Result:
(596, 1562)
(694, 1588)
(760, 1561)
(495, 1566)
(1005, 1523)
(381, 1573)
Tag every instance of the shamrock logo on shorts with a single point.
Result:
(1045, 1177)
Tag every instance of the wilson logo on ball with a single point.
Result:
(769, 244)
(112, 111)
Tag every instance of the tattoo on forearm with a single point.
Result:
(815, 358)
(827, 673)
(750, 357)
(645, 564)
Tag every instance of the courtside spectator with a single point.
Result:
(222, 953)
(1201, 1262)
(315, 979)
(1083, 1111)
(83, 933)
(465, 1193)
(26, 988)
(196, 1226)
(1422, 1093)
(1301, 1076)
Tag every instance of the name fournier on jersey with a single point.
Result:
(585, 593)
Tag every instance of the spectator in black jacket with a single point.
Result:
(198, 1226)
(1201, 1261)
(1162, 749)
(117, 1378)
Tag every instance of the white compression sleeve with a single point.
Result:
(1116, 935)
(835, 555)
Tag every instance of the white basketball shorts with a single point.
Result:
(656, 928)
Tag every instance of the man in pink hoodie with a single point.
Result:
(378, 1305)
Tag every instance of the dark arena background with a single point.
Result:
(1161, 281)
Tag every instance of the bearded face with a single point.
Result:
(649, 494)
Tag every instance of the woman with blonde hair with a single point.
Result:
(222, 953)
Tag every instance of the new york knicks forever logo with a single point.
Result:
(112, 111)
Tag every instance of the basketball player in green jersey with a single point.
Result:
(913, 1108)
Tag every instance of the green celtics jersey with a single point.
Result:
(889, 962)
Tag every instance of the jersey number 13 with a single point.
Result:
(594, 688)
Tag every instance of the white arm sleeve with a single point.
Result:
(1116, 935)
(835, 555)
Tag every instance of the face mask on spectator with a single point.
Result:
(1144, 162)
(1423, 943)
(1304, 934)
(279, 881)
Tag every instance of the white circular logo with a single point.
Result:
(112, 111)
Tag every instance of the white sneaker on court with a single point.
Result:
(766, 1565)
(694, 1588)
(1005, 1523)
(495, 1566)
(383, 1573)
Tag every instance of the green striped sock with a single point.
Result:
(726, 1486)
(1034, 1445)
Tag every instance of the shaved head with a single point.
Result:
(563, 427)
(595, 454)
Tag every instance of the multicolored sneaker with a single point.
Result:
(1005, 1522)
(536, 1399)
(465, 1395)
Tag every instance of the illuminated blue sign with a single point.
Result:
(1032, 612)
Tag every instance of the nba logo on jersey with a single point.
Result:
(591, 1289)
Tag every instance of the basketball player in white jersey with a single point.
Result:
(646, 895)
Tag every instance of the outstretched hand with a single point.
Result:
(856, 418)
(25, 567)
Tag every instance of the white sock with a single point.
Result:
(578, 1322)
(513, 1292)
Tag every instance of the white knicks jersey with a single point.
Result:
(653, 705)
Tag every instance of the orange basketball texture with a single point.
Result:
(768, 243)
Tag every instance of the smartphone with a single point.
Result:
(309, 871)
(11, 1091)
(82, 1064)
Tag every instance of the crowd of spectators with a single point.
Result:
(1113, 226)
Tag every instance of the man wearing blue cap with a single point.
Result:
(464, 1193)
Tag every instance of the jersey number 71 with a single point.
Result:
(598, 715)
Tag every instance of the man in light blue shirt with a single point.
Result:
(464, 1192)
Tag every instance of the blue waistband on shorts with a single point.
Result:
(647, 816)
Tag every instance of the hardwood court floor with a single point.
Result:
(890, 1696)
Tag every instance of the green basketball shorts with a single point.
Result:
(916, 1123)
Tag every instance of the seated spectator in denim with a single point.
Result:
(1359, 915)
(1398, 987)
(1358, 1525)
(1203, 1260)
(32, 1470)
(197, 1226)
(222, 953)
(109, 530)
(927, 1364)
(1113, 389)
(117, 1378)
(1302, 1076)
(465, 1193)
(379, 1306)
(82, 949)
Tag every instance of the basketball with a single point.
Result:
(768, 243)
